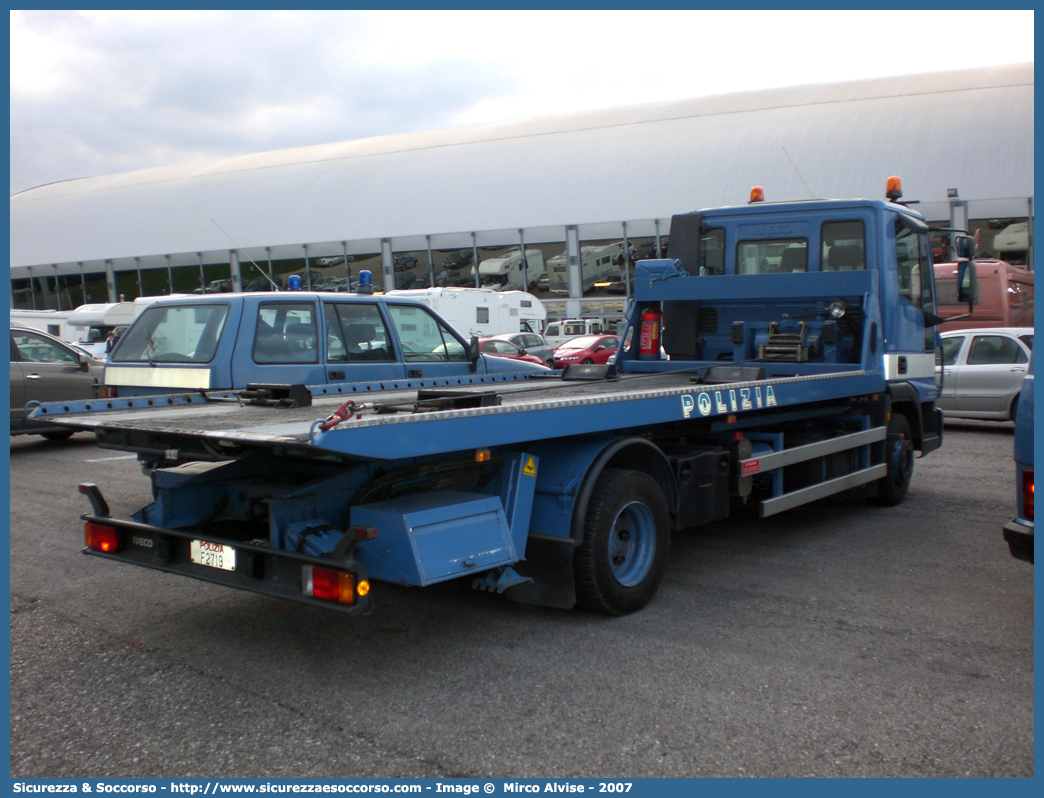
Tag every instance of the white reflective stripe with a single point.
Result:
(191, 378)
(920, 365)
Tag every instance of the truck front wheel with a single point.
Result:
(899, 456)
(621, 561)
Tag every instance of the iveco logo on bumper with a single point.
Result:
(145, 543)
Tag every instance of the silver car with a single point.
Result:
(533, 344)
(983, 371)
(45, 369)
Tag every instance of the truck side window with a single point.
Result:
(772, 256)
(712, 252)
(842, 247)
(424, 338)
(355, 332)
(286, 333)
(910, 269)
(914, 272)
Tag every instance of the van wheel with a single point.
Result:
(58, 436)
(899, 455)
(620, 563)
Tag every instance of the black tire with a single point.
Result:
(1014, 406)
(588, 362)
(899, 455)
(65, 434)
(620, 564)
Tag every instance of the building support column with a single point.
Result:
(110, 281)
(387, 265)
(235, 271)
(574, 270)
(431, 264)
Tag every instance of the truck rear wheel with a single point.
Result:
(899, 456)
(621, 561)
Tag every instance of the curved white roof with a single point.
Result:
(971, 130)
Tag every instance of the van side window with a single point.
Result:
(995, 350)
(173, 334)
(35, 348)
(355, 332)
(842, 246)
(423, 337)
(286, 333)
(951, 348)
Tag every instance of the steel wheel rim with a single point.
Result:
(903, 461)
(632, 544)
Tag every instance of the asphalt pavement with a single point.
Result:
(840, 639)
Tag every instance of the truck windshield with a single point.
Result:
(173, 334)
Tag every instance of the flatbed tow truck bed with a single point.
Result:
(393, 424)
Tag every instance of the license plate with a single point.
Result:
(213, 555)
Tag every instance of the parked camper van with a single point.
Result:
(52, 322)
(596, 263)
(1012, 243)
(558, 332)
(481, 311)
(1005, 296)
(507, 271)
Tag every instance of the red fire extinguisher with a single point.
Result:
(649, 342)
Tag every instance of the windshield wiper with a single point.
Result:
(151, 347)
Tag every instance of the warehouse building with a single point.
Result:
(961, 141)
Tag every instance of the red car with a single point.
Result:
(586, 349)
(499, 348)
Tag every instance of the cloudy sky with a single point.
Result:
(95, 93)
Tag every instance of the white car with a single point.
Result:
(983, 371)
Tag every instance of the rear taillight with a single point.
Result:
(1027, 493)
(107, 392)
(101, 538)
(327, 584)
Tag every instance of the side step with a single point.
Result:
(799, 454)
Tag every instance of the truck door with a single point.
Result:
(429, 347)
(358, 346)
(911, 343)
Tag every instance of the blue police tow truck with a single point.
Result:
(785, 353)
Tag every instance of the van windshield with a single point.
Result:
(173, 334)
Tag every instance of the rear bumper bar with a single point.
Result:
(1019, 538)
(258, 567)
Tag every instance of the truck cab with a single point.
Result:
(798, 288)
(228, 341)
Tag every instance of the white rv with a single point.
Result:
(505, 272)
(596, 263)
(481, 311)
(52, 322)
(1012, 243)
(558, 332)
